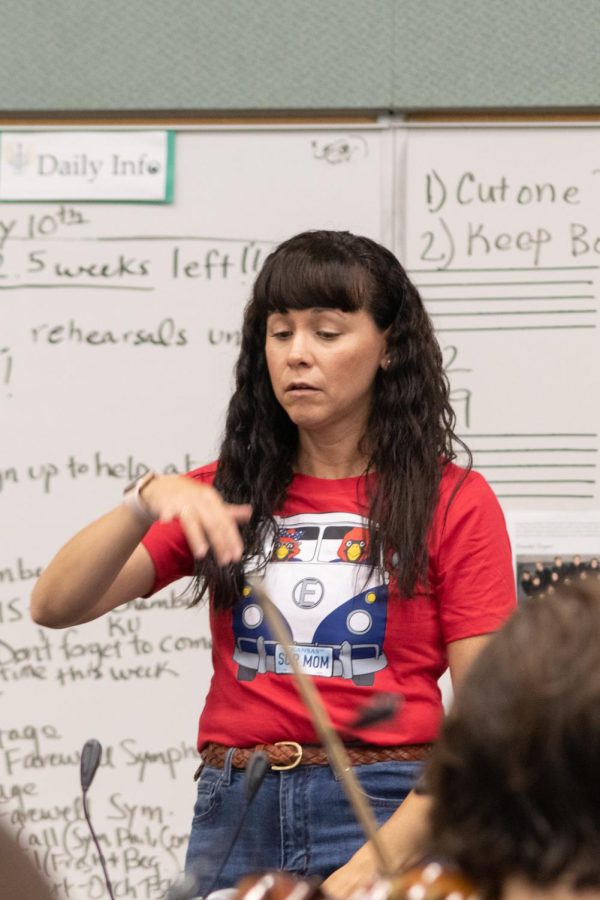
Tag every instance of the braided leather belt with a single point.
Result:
(284, 755)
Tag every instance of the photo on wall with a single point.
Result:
(541, 575)
(552, 549)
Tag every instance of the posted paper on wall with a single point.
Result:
(133, 166)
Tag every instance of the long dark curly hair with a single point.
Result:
(410, 432)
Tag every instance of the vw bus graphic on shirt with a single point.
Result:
(333, 607)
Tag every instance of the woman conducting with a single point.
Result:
(335, 484)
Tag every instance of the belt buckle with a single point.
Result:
(293, 764)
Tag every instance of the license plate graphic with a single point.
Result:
(312, 660)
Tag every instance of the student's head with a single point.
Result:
(514, 776)
(313, 291)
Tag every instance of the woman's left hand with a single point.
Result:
(359, 872)
(405, 836)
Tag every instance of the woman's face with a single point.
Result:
(322, 364)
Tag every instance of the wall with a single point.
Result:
(236, 56)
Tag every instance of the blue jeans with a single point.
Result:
(299, 821)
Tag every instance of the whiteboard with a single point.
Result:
(502, 237)
(101, 377)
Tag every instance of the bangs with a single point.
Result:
(301, 282)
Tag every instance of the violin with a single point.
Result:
(434, 881)
(274, 885)
(429, 881)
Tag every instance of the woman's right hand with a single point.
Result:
(105, 564)
(208, 522)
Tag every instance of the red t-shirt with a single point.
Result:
(350, 627)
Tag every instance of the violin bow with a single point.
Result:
(329, 737)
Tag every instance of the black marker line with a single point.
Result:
(62, 287)
(466, 284)
(140, 237)
(546, 496)
(514, 312)
(538, 450)
(518, 328)
(505, 269)
(537, 466)
(485, 299)
(186, 237)
(543, 481)
(519, 434)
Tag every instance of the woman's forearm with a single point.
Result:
(103, 565)
(404, 835)
(84, 570)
